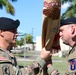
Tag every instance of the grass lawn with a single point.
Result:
(22, 63)
(27, 53)
(61, 66)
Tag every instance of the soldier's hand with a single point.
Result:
(45, 54)
(49, 61)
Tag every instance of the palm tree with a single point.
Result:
(64, 1)
(9, 8)
(71, 11)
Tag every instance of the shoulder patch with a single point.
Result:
(72, 64)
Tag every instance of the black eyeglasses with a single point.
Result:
(13, 31)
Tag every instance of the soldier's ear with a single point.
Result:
(1, 33)
(72, 29)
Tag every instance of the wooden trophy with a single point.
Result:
(50, 27)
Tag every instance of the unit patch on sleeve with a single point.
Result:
(73, 64)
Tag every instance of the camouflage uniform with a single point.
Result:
(8, 65)
(71, 64)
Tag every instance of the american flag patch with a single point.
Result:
(3, 58)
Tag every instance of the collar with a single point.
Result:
(5, 51)
(72, 48)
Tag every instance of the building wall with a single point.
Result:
(38, 44)
(63, 46)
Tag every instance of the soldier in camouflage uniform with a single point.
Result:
(8, 35)
(8, 63)
(68, 36)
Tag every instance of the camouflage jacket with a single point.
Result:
(8, 65)
(71, 64)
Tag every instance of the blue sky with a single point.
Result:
(29, 12)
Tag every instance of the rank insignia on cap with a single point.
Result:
(72, 64)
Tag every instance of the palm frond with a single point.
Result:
(70, 12)
(9, 8)
(65, 1)
(13, 0)
(1, 6)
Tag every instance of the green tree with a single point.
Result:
(71, 11)
(8, 6)
(29, 38)
(20, 42)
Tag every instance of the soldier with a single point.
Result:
(68, 36)
(8, 63)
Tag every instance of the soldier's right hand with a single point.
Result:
(45, 54)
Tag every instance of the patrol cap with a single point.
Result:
(67, 21)
(8, 24)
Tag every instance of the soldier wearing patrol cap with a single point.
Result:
(68, 36)
(8, 63)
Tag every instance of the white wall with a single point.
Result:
(38, 44)
(63, 46)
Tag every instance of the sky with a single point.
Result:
(29, 12)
